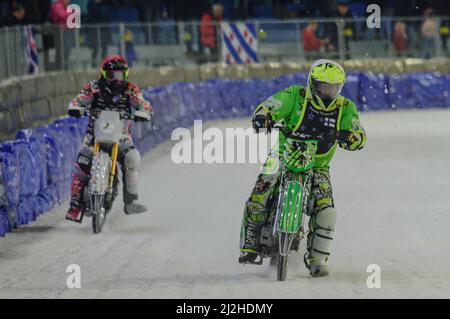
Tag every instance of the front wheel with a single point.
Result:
(284, 246)
(98, 220)
(282, 267)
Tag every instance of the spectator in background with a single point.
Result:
(399, 39)
(98, 38)
(59, 15)
(191, 15)
(444, 28)
(311, 43)
(18, 17)
(208, 31)
(38, 10)
(342, 12)
(243, 9)
(130, 51)
(428, 30)
(218, 12)
(280, 9)
(311, 8)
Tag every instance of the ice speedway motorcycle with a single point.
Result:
(284, 229)
(101, 191)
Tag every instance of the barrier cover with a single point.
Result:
(35, 169)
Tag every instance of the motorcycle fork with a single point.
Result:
(114, 155)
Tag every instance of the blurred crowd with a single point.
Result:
(407, 35)
(17, 12)
(317, 37)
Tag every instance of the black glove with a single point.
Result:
(75, 113)
(140, 119)
(142, 116)
(262, 121)
(346, 138)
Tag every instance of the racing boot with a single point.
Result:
(250, 237)
(79, 182)
(131, 206)
(134, 208)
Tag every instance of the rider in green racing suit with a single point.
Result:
(316, 110)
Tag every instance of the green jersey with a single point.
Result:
(293, 108)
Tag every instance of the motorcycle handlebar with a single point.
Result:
(123, 114)
(340, 136)
(305, 137)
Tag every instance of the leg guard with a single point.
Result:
(256, 210)
(321, 227)
(130, 160)
(252, 224)
(80, 178)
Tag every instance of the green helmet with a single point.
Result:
(325, 81)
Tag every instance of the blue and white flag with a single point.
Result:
(239, 43)
(31, 52)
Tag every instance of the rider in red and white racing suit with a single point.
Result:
(111, 92)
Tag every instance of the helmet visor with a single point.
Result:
(327, 90)
(115, 76)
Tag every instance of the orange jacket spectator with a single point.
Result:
(207, 27)
(208, 31)
(310, 41)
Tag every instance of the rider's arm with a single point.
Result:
(82, 101)
(279, 107)
(141, 108)
(352, 134)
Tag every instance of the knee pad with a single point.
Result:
(322, 233)
(131, 162)
(132, 159)
(326, 219)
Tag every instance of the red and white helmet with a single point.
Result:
(114, 68)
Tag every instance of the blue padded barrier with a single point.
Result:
(351, 89)
(4, 222)
(373, 92)
(10, 175)
(35, 169)
(419, 90)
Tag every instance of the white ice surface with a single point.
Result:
(392, 200)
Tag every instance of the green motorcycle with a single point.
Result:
(284, 229)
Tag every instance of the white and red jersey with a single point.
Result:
(96, 96)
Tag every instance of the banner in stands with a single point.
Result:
(239, 43)
(31, 51)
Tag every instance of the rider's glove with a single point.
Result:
(349, 140)
(75, 111)
(142, 116)
(262, 121)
